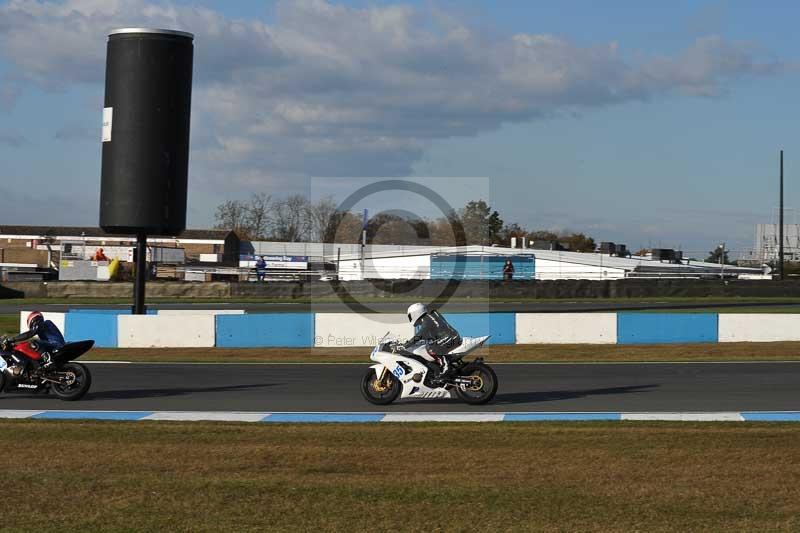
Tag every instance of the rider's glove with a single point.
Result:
(5, 343)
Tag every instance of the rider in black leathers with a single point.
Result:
(431, 328)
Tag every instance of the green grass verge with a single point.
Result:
(620, 476)
(9, 324)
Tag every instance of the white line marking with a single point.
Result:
(686, 417)
(443, 417)
(220, 416)
(10, 413)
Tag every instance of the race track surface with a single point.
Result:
(523, 387)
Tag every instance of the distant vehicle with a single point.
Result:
(24, 369)
(398, 376)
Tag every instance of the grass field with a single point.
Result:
(396, 477)
(542, 353)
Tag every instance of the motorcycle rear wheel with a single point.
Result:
(76, 389)
(486, 384)
(380, 392)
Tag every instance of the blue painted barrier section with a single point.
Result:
(102, 328)
(291, 330)
(501, 326)
(455, 266)
(664, 328)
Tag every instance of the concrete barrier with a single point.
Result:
(351, 329)
(146, 331)
(501, 326)
(199, 312)
(234, 328)
(56, 318)
(759, 327)
(101, 327)
(664, 328)
(294, 330)
(118, 311)
(566, 328)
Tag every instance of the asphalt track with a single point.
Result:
(629, 387)
(400, 307)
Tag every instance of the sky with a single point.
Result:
(651, 124)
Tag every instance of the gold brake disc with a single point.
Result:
(477, 383)
(378, 386)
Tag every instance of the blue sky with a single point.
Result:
(647, 123)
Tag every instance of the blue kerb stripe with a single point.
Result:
(527, 417)
(324, 417)
(776, 416)
(94, 415)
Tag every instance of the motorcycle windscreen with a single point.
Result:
(70, 351)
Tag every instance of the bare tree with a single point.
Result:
(259, 215)
(233, 215)
(291, 221)
(321, 216)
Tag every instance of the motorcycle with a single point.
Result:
(398, 375)
(24, 369)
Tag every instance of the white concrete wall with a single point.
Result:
(408, 267)
(199, 312)
(566, 328)
(758, 327)
(56, 318)
(351, 329)
(148, 331)
(549, 269)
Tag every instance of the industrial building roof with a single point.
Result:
(77, 232)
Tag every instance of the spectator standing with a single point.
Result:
(508, 270)
(261, 268)
(99, 255)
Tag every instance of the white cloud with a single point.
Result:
(335, 90)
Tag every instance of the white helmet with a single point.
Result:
(415, 312)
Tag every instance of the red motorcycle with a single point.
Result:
(25, 367)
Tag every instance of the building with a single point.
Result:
(354, 262)
(42, 246)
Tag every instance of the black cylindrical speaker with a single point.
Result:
(146, 131)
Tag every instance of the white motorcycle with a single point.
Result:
(396, 374)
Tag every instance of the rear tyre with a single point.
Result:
(380, 392)
(79, 379)
(484, 384)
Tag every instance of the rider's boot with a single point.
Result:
(443, 372)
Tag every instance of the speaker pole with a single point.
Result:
(141, 274)
(780, 222)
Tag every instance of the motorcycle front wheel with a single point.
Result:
(484, 384)
(78, 381)
(380, 392)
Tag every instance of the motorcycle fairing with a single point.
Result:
(389, 362)
(468, 344)
(71, 351)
